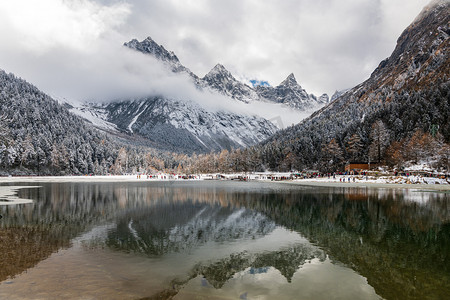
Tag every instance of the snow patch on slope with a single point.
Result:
(94, 116)
(136, 117)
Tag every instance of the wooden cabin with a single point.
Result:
(356, 166)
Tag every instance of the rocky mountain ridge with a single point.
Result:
(290, 93)
(219, 79)
(149, 46)
(182, 126)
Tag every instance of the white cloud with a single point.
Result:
(73, 48)
(327, 44)
(40, 26)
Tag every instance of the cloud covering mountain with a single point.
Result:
(329, 45)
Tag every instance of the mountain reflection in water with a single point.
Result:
(162, 229)
(398, 239)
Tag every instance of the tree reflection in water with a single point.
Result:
(398, 239)
(286, 261)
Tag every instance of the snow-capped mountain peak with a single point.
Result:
(151, 47)
(219, 74)
(290, 81)
(219, 69)
(186, 126)
(323, 99)
(290, 93)
(222, 81)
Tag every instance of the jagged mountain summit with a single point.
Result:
(175, 125)
(290, 93)
(184, 126)
(421, 56)
(149, 46)
(219, 79)
(401, 113)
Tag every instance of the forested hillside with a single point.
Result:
(39, 136)
(400, 115)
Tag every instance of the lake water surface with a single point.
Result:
(223, 240)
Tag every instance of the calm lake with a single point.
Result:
(223, 240)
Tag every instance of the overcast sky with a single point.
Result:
(73, 48)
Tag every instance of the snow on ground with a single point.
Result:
(414, 182)
(97, 118)
(410, 182)
(380, 179)
(137, 116)
(108, 178)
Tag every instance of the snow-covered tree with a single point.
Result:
(354, 146)
(379, 140)
(332, 154)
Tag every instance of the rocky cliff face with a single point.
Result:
(420, 58)
(220, 79)
(149, 46)
(183, 126)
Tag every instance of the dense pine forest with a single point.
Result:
(39, 136)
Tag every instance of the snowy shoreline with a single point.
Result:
(381, 182)
(370, 184)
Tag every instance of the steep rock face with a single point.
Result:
(221, 80)
(323, 99)
(408, 92)
(290, 93)
(421, 55)
(185, 126)
(149, 46)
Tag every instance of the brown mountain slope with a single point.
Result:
(401, 111)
